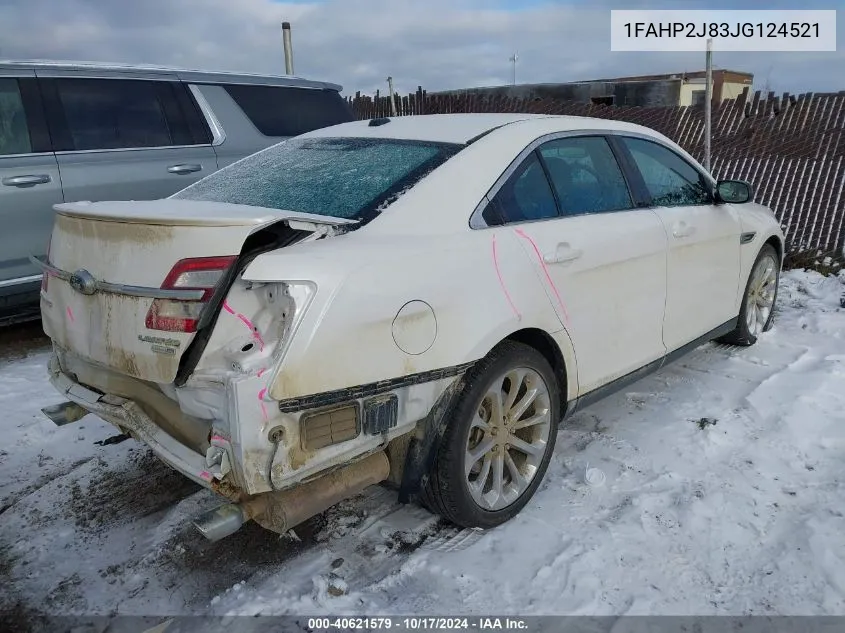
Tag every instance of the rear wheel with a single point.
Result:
(499, 439)
(757, 312)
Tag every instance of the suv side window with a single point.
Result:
(525, 196)
(103, 114)
(585, 175)
(14, 133)
(670, 180)
(284, 111)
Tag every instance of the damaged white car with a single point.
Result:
(417, 301)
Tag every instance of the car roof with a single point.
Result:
(88, 69)
(463, 128)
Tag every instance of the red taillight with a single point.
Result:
(199, 273)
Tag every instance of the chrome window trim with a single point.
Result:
(123, 289)
(18, 281)
(73, 152)
(477, 222)
(218, 134)
(28, 155)
(16, 73)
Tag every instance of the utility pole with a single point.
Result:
(390, 91)
(513, 58)
(288, 48)
(708, 98)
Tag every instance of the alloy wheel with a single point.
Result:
(761, 295)
(508, 438)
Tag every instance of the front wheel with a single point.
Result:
(499, 439)
(757, 312)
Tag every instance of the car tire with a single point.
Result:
(757, 313)
(489, 462)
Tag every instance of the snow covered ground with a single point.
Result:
(722, 493)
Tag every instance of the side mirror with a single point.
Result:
(734, 191)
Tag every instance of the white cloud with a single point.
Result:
(438, 44)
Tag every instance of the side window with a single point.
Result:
(116, 113)
(585, 175)
(283, 111)
(526, 195)
(14, 133)
(671, 181)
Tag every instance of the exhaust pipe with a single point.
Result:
(280, 511)
(221, 522)
(288, 48)
(65, 413)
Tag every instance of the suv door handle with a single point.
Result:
(563, 254)
(26, 181)
(184, 169)
(682, 229)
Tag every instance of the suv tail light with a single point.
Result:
(199, 273)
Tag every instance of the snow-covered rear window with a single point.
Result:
(339, 177)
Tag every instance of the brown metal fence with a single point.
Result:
(792, 148)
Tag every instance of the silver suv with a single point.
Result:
(71, 132)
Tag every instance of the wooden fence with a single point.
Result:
(792, 148)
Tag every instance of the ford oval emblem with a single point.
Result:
(83, 282)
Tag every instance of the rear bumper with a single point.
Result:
(252, 447)
(128, 416)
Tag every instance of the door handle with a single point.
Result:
(184, 169)
(26, 181)
(682, 229)
(563, 254)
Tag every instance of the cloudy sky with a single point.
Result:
(439, 44)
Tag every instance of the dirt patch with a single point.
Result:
(142, 487)
(15, 615)
(197, 569)
(18, 618)
(67, 594)
(41, 481)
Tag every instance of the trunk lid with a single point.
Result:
(126, 249)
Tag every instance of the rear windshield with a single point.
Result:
(351, 178)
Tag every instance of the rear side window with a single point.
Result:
(14, 133)
(525, 196)
(353, 178)
(103, 114)
(282, 111)
(671, 181)
(585, 175)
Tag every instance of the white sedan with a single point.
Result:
(418, 301)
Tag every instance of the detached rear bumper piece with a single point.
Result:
(130, 418)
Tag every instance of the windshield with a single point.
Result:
(351, 178)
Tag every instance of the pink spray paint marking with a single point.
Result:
(205, 475)
(247, 323)
(502, 281)
(70, 314)
(261, 395)
(545, 272)
(261, 371)
(218, 438)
